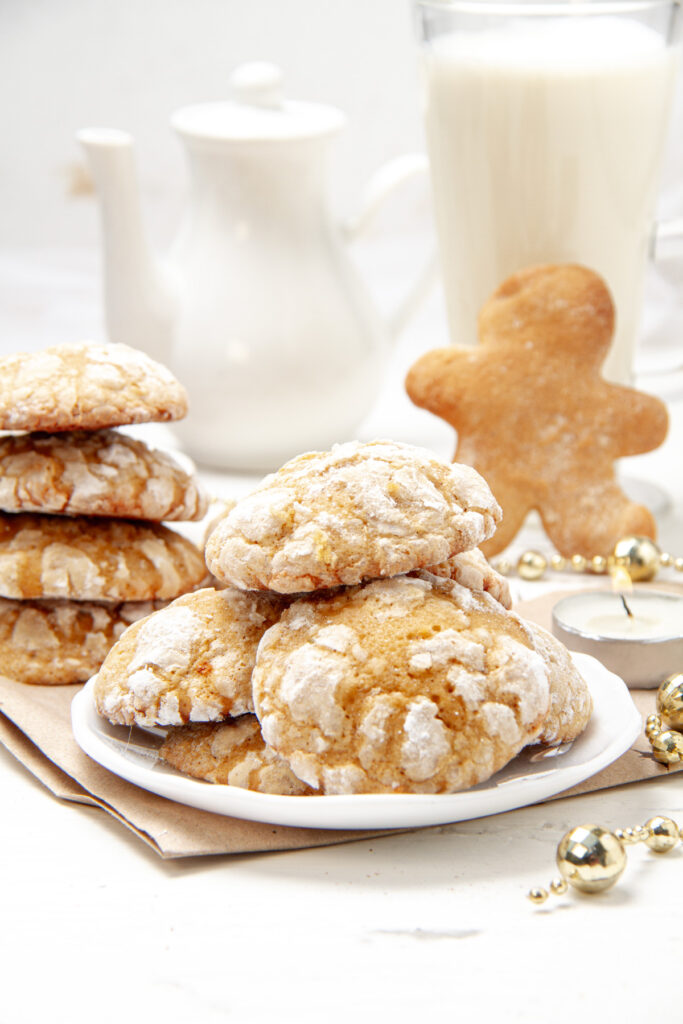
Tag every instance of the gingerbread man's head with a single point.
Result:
(566, 307)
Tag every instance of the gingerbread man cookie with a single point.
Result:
(534, 415)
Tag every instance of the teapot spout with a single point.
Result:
(138, 298)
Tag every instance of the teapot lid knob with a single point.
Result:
(258, 84)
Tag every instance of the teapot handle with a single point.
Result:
(381, 185)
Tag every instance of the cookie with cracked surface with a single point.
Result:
(571, 704)
(360, 511)
(86, 386)
(61, 642)
(406, 685)
(95, 473)
(472, 570)
(88, 559)
(231, 753)
(190, 662)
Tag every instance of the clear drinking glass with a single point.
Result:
(546, 125)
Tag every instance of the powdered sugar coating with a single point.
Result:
(231, 753)
(409, 684)
(100, 473)
(571, 704)
(472, 570)
(190, 662)
(86, 386)
(360, 511)
(94, 559)
(60, 642)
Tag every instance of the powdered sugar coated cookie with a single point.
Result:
(360, 511)
(100, 473)
(86, 386)
(411, 684)
(190, 662)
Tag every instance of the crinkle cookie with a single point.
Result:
(59, 642)
(471, 570)
(86, 386)
(190, 662)
(405, 685)
(95, 473)
(360, 511)
(571, 704)
(231, 753)
(90, 559)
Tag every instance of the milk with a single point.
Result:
(545, 143)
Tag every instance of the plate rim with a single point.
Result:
(359, 811)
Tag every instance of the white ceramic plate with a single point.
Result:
(532, 776)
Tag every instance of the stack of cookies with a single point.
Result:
(361, 643)
(82, 550)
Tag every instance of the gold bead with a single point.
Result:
(640, 556)
(598, 564)
(665, 559)
(503, 566)
(678, 564)
(670, 700)
(627, 836)
(667, 747)
(590, 858)
(558, 563)
(653, 726)
(640, 833)
(579, 563)
(532, 565)
(558, 886)
(537, 895)
(662, 834)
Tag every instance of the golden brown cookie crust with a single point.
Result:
(535, 417)
(60, 642)
(90, 559)
(190, 662)
(95, 473)
(360, 511)
(86, 386)
(230, 753)
(411, 684)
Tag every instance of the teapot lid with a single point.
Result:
(257, 112)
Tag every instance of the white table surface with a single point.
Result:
(428, 925)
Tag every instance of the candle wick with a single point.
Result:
(626, 607)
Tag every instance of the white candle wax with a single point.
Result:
(643, 648)
(602, 613)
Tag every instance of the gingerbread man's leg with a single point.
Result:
(591, 521)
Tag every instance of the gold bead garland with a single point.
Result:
(667, 743)
(639, 556)
(591, 858)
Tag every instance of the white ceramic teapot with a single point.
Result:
(257, 309)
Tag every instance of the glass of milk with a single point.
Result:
(546, 126)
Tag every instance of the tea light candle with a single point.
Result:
(642, 648)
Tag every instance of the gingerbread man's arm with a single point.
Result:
(434, 381)
(637, 422)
